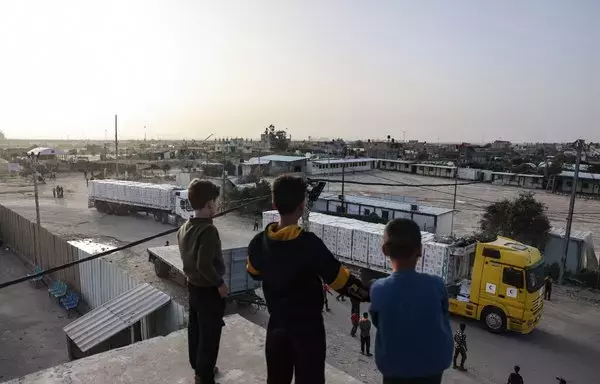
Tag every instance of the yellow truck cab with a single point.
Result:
(505, 290)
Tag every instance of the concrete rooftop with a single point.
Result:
(164, 360)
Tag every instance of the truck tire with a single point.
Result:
(161, 269)
(494, 320)
(158, 216)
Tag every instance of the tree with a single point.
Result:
(239, 196)
(230, 168)
(359, 144)
(556, 166)
(522, 219)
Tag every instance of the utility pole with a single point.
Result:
(34, 162)
(563, 263)
(454, 201)
(116, 150)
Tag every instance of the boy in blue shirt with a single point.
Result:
(410, 311)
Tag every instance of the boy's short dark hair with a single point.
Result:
(201, 192)
(288, 193)
(404, 238)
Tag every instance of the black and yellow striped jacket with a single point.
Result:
(293, 264)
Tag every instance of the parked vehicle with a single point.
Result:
(500, 283)
(168, 203)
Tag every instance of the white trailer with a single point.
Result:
(167, 203)
(167, 262)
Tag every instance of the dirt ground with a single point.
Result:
(31, 335)
(566, 343)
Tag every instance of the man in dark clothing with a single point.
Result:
(515, 377)
(548, 288)
(255, 225)
(293, 265)
(204, 267)
(460, 340)
(365, 334)
(354, 319)
(326, 292)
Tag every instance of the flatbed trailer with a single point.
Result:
(242, 288)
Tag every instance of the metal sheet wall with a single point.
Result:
(102, 281)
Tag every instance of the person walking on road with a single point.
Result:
(460, 340)
(365, 335)
(515, 377)
(255, 225)
(54, 192)
(354, 319)
(548, 288)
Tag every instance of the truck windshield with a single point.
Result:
(535, 277)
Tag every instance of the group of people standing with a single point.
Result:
(58, 191)
(297, 272)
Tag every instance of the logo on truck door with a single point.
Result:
(511, 292)
(490, 288)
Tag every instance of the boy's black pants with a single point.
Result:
(463, 356)
(434, 379)
(295, 350)
(365, 343)
(207, 308)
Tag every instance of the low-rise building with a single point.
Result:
(406, 166)
(518, 180)
(588, 183)
(581, 254)
(430, 219)
(333, 166)
(273, 165)
(435, 170)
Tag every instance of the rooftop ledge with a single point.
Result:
(165, 360)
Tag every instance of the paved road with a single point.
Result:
(567, 342)
(31, 335)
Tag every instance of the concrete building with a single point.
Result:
(469, 174)
(333, 166)
(430, 219)
(444, 171)
(406, 166)
(518, 180)
(581, 252)
(273, 165)
(588, 183)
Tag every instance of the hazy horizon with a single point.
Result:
(438, 70)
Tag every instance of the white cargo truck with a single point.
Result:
(167, 203)
(358, 244)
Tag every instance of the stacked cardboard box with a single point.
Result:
(158, 196)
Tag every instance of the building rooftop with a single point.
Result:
(387, 204)
(582, 175)
(269, 158)
(165, 360)
(339, 161)
(437, 166)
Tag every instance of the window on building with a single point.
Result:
(585, 185)
(569, 183)
(512, 277)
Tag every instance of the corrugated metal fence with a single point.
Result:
(97, 280)
(23, 235)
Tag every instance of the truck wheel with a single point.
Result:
(494, 320)
(161, 269)
(158, 216)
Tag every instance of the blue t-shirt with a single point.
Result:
(410, 312)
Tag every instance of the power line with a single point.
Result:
(118, 249)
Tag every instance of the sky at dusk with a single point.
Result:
(433, 70)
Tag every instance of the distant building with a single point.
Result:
(430, 219)
(274, 165)
(333, 166)
(588, 183)
(501, 144)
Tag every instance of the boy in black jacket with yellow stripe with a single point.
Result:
(293, 264)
